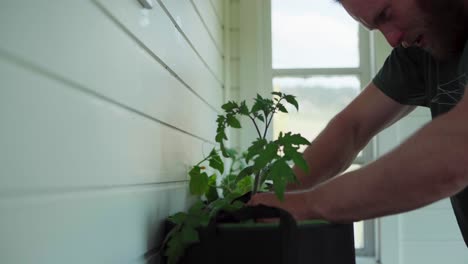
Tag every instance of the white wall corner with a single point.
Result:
(255, 56)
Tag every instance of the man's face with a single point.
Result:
(438, 26)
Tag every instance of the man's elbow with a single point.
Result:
(460, 175)
(455, 175)
(453, 130)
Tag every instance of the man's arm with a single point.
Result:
(431, 165)
(347, 134)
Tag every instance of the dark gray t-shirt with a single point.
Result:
(412, 76)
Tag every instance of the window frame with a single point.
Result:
(363, 72)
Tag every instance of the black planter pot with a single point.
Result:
(283, 243)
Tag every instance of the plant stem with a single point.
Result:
(232, 165)
(267, 124)
(256, 183)
(205, 159)
(256, 127)
(271, 118)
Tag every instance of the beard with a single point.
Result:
(446, 24)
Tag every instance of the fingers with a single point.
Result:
(293, 203)
(267, 199)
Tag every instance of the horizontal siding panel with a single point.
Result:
(184, 14)
(54, 136)
(210, 19)
(430, 225)
(434, 253)
(157, 32)
(91, 50)
(98, 227)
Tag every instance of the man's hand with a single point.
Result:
(294, 202)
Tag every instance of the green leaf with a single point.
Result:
(218, 205)
(262, 104)
(297, 157)
(295, 139)
(280, 187)
(220, 119)
(277, 93)
(232, 207)
(255, 149)
(258, 106)
(292, 100)
(247, 171)
(223, 149)
(198, 181)
(229, 106)
(178, 218)
(189, 235)
(196, 208)
(269, 106)
(261, 118)
(282, 108)
(231, 152)
(220, 137)
(267, 155)
(216, 162)
(244, 186)
(204, 219)
(228, 184)
(243, 109)
(212, 193)
(232, 196)
(281, 174)
(196, 170)
(175, 248)
(237, 205)
(233, 122)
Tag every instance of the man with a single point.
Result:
(428, 67)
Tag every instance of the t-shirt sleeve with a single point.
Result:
(463, 66)
(402, 76)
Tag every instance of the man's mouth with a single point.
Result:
(417, 42)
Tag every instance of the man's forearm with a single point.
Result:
(429, 166)
(328, 155)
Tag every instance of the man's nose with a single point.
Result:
(394, 37)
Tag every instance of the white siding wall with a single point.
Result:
(429, 235)
(234, 60)
(234, 32)
(103, 106)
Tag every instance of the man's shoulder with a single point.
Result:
(402, 76)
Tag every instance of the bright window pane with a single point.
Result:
(320, 98)
(359, 235)
(313, 34)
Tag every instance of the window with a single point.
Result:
(320, 55)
